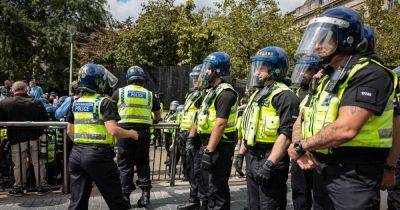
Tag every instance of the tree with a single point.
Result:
(34, 38)
(244, 27)
(152, 40)
(195, 36)
(385, 23)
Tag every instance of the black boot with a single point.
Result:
(144, 199)
(203, 205)
(194, 203)
(127, 198)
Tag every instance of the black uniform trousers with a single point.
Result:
(168, 142)
(271, 195)
(134, 153)
(200, 176)
(181, 152)
(348, 182)
(218, 176)
(302, 183)
(88, 163)
(393, 199)
(193, 164)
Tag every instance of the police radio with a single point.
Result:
(203, 118)
(338, 77)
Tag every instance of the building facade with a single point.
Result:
(311, 8)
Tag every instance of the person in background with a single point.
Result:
(34, 90)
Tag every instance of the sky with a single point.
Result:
(121, 9)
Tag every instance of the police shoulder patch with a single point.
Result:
(366, 95)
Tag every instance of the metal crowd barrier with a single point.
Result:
(53, 132)
(158, 154)
(57, 134)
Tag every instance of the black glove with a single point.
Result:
(238, 163)
(207, 160)
(263, 174)
(190, 145)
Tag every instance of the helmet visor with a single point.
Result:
(109, 78)
(258, 73)
(303, 73)
(194, 80)
(173, 106)
(320, 39)
(204, 75)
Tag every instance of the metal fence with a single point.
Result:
(172, 81)
(53, 152)
(54, 135)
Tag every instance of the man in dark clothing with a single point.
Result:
(22, 107)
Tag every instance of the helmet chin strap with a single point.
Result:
(329, 58)
(211, 77)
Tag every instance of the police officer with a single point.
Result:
(393, 198)
(135, 106)
(267, 128)
(303, 78)
(239, 158)
(180, 150)
(215, 125)
(350, 122)
(192, 103)
(92, 125)
(170, 117)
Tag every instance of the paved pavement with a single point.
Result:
(162, 197)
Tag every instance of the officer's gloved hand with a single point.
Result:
(238, 163)
(208, 159)
(190, 145)
(263, 174)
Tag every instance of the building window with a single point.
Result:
(392, 3)
(322, 2)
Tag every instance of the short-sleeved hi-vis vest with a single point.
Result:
(260, 121)
(135, 105)
(377, 132)
(88, 121)
(207, 114)
(189, 111)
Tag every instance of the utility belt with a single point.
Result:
(353, 155)
(262, 154)
(94, 146)
(259, 150)
(205, 138)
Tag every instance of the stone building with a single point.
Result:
(311, 8)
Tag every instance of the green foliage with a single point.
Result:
(165, 34)
(386, 26)
(195, 35)
(152, 40)
(34, 37)
(244, 27)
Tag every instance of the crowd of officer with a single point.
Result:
(334, 125)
